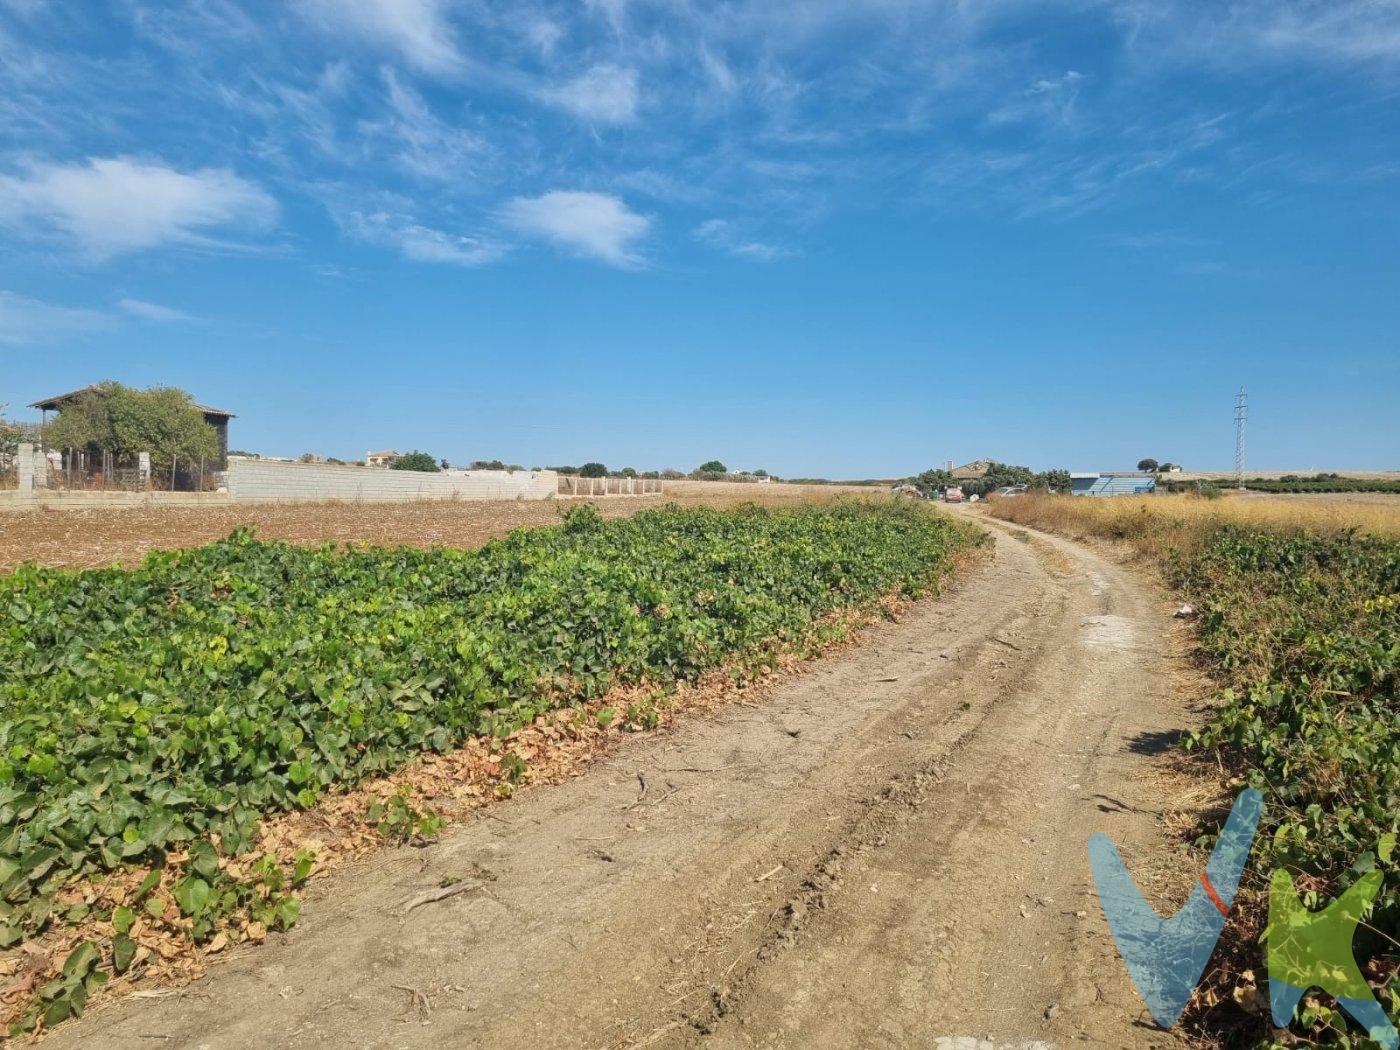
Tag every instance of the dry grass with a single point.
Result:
(1154, 524)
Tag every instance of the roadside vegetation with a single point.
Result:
(1300, 620)
(1294, 483)
(151, 718)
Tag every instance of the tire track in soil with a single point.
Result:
(887, 850)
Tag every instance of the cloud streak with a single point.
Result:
(594, 225)
(417, 31)
(722, 234)
(116, 205)
(605, 94)
(29, 322)
(419, 243)
(153, 311)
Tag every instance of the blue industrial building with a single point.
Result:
(1110, 484)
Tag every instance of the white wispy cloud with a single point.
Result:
(111, 206)
(1153, 241)
(424, 144)
(1073, 178)
(1048, 98)
(416, 30)
(1331, 32)
(27, 322)
(422, 243)
(153, 311)
(593, 224)
(544, 33)
(605, 94)
(615, 11)
(722, 234)
(424, 114)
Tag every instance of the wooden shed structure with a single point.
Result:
(216, 417)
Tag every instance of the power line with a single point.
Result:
(1241, 415)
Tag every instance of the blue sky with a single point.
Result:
(839, 237)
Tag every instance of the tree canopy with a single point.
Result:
(12, 433)
(593, 470)
(110, 417)
(1147, 463)
(714, 466)
(998, 475)
(931, 482)
(416, 460)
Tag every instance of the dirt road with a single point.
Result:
(885, 851)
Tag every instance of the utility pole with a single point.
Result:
(1241, 414)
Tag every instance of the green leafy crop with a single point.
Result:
(172, 706)
(1305, 628)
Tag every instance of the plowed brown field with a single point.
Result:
(122, 535)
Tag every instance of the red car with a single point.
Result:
(952, 494)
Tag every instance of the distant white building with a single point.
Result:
(387, 458)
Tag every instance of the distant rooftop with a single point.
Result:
(970, 471)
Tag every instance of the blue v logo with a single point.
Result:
(1166, 957)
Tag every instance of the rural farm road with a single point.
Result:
(886, 850)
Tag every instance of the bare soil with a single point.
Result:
(123, 535)
(887, 850)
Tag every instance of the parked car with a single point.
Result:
(1012, 490)
(952, 494)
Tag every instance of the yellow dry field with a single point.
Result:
(1156, 523)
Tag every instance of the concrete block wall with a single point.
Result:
(260, 480)
(25, 469)
(99, 499)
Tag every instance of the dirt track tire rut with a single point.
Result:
(886, 850)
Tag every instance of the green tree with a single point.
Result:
(1147, 464)
(998, 475)
(11, 434)
(931, 482)
(1058, 480)
(714, 466)
(593, 470)
(415, 460)
(83, 423)
(163, 421)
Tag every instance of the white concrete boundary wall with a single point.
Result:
(261, 480)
